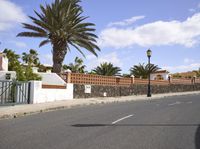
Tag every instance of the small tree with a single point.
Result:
(106, 69)
(197, 72)
(142, 70)
(31, 58)
(22, 74)
(29, 75)
(14, 64)
(76, 67)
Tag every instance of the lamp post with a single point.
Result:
(149, 84)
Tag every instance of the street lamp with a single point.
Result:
(149, 84)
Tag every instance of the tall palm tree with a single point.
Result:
(31, 58)
(106, 69)
(142, 70)
(62, 25)
(76, 67)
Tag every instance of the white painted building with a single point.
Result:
(51, 88)
(4, 73)
(160, 75)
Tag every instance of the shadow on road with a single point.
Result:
(197, 138)
(147, 125)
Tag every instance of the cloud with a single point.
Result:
(185, 33)
(182, 68)
(126, 22)
(10, 15)
(110, 57)
(19, 44)
(188, 60)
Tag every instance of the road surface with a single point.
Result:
(169, 123)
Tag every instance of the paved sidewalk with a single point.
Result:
(22, 110)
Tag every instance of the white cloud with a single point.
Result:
(110, 57)
(10, 14)
(188, 60)
(182, 68)
(157, 33)
(126, 22)
(19, 44)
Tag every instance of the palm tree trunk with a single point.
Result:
(58, 57)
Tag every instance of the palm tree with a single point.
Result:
(106, 69)
(76, 67)
(62, 25)
(31, 58)
(142, 70)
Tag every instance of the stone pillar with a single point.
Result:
(132, 79)
(68, 76)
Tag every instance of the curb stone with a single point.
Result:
(94, 101)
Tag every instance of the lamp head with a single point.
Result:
(149, 53)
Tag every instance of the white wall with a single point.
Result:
(51, 79)
(3, 62)
(3, 75)
(40, 95)
(164, 75)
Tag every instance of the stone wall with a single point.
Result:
(114, 91)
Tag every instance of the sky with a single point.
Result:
(126, 30)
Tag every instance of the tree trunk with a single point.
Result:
(58, 57)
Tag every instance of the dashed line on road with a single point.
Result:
(122, 119)
(189, 102)
(176, 103)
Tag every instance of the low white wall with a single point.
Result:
(51, 79)
(3, 75)
(41, 95)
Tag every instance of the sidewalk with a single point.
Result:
(28, 109)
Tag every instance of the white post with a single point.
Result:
(35, 88)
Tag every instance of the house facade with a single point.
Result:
(160, 75)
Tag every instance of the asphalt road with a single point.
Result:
(170, 123)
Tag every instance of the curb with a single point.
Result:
(96, 101)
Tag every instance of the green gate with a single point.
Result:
(14, 92)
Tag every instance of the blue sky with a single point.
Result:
(126, 29)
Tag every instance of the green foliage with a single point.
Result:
(22, 74)
(197, 72)
(62, 24)
(106, 69)
(126, 75)
(176, 76)
(13, 58)
(29, 75)
(31, 58)
(76, 67)
(142, 70)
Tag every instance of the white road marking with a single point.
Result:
(122, 119)
(176, 103)
(189, 102)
